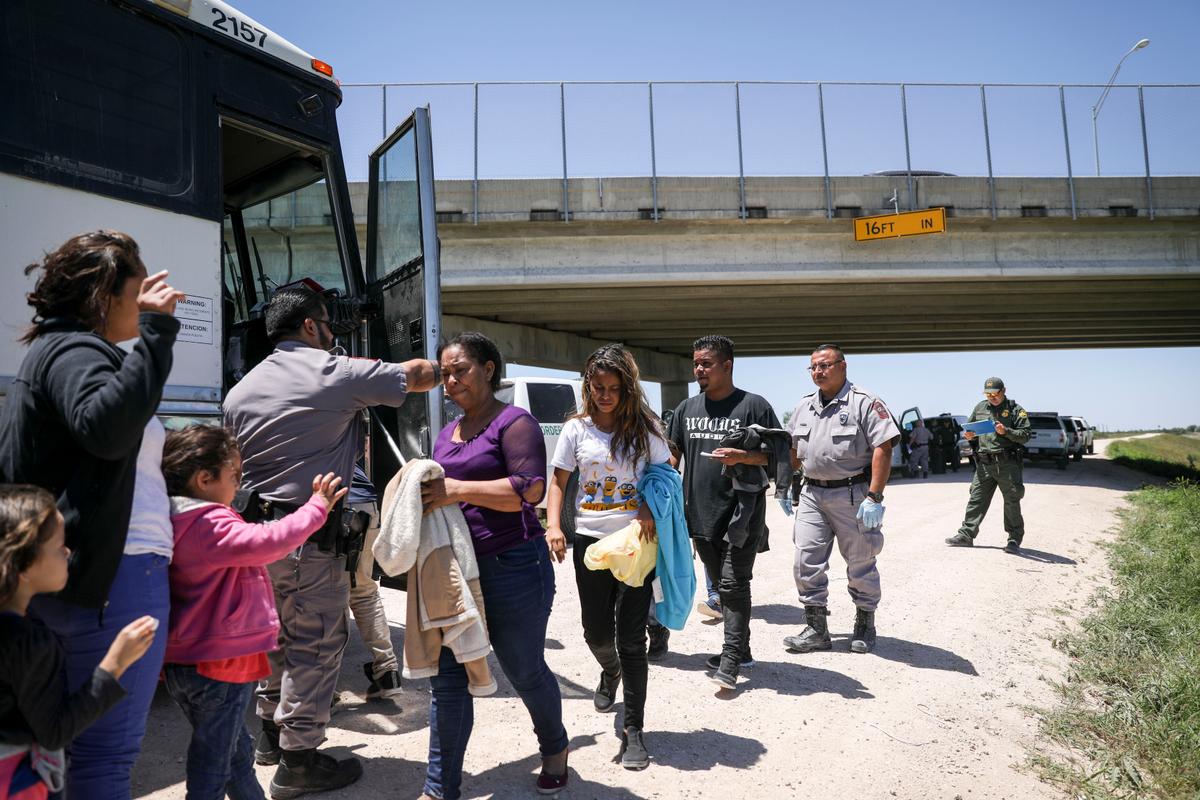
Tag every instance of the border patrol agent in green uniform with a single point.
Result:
(999, 458)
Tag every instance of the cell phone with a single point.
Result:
(710, 455)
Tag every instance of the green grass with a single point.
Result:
(1131, 712)
(1168, 455)
(1115, 434)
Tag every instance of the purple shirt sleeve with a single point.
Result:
(524, 450)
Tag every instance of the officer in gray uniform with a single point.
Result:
(842, 437)
(918, 449)
(296, 414)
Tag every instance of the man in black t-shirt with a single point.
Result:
(697, 427)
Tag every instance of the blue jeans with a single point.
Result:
(220, 757)
(518, 592)
(714, 597)
(102, 757)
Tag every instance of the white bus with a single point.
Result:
(212, 141)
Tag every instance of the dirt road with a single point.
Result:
(938, 710)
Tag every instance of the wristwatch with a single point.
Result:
(876, 496)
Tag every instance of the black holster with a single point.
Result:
(352, 539)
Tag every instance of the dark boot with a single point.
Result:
(266, 749)
(815, 635)
(960, 539)
(660, 635)
(633, 750)
(864, 631)
(605, 696)
(305, 771)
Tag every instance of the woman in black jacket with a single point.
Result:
(73, 423)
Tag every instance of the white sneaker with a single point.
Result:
(710, 611)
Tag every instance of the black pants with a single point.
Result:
(733, 567)
(614, 627)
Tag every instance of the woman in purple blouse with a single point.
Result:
(495, 462)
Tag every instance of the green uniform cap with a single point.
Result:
(993, 385)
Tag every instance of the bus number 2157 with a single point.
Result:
(239, 29)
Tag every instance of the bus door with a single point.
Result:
(280, 228)
(403, 285)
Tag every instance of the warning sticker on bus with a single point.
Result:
(195, 315)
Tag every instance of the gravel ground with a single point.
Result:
(939, 709)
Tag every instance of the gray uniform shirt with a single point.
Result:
(920, 436)
(836, 440)
(296, 414)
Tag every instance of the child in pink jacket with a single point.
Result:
(223, 619)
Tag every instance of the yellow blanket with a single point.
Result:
(625, 555)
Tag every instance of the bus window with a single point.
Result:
(292, 237)
(399, 235)
(233, 285)
(277, 187)
(105, 98)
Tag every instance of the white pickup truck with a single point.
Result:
(1088, 433)
(1049, 441)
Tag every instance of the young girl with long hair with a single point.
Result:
(39, 713)
(611, 442)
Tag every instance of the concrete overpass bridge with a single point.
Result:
(1026, 263)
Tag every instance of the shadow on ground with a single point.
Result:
(778, 614)
(695, 751)
(921, 656)
(796, 680)
(1040, 556)
(517, 779)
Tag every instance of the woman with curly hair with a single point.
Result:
(79, 421)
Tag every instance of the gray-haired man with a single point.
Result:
(842, 436)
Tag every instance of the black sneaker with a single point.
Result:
(605, 696)
(303, 772)
(1012, 548)
(633, 751)
(660, 635)
(386, 686)
(724, 680)
(960, 540)
(714, 662)
(266, 749)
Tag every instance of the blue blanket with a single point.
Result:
(662, 489)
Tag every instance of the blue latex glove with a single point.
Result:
(871, 514)
(786, 504)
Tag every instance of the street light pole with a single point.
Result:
(1104, 96)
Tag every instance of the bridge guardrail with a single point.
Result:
(565, 129)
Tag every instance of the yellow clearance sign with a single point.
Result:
(892, 226)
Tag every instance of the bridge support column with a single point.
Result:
(673, 393)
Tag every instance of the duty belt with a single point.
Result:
(862, 477)
(1002, 455)
(323, 536)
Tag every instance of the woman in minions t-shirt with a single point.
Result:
(611, 443)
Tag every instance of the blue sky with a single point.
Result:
(1018, 42)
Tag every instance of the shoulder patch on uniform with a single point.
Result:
(1022, 413)
(881, 409)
